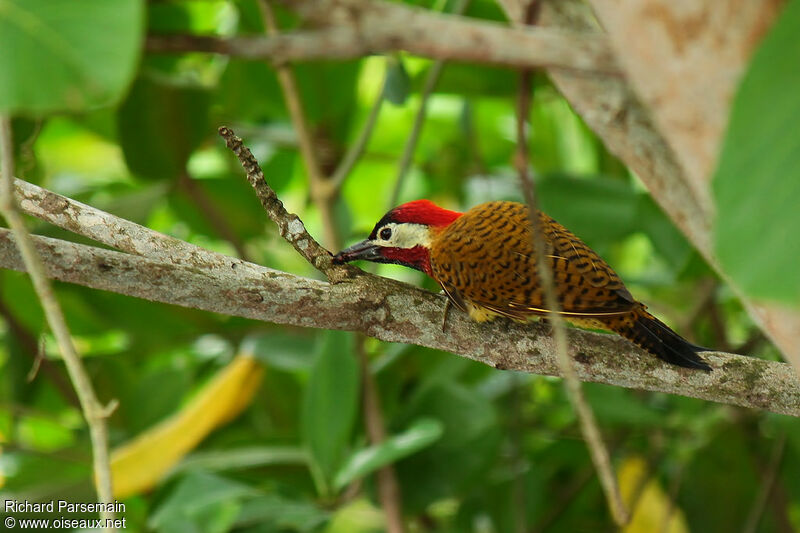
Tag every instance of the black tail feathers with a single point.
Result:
(657, 338)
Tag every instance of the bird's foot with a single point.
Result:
(447, 306)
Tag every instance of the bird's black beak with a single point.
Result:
(363, 250)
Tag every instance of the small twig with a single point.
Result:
(704, 296)
(517, 437)
(357, 149)
(321, 189)
(37, 363)
(416, 129)
(200, 197)
(591, 433)
(419, 120)
(30, 346)
(290, 226)
(93, 411)
(770, 476)
(752, 342)
(718, 326)
(562, 500)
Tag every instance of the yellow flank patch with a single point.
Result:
(480, 314)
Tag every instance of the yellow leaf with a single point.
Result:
(141, 463)
(652, 505)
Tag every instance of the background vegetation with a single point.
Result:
(281, 446)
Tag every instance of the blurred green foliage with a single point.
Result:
(475, 449)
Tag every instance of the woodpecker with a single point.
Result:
(485, 262)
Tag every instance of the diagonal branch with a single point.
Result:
(396, 312)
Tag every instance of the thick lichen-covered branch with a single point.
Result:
(397, 312)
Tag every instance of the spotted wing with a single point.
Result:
(486, 257)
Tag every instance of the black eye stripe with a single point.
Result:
(386, 234)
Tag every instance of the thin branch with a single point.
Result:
(588, 424)
(372, 27)
(29, 345)
(388, 487)
(562, 500)
(93, 411)
(210, 211)
(392, 311)
(321, 189)
(357, 149)
(767, 485)
(416, 129)
(419, 120)
(519, 497)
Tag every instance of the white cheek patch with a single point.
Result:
(405, 235)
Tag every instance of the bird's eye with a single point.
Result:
(386, 234)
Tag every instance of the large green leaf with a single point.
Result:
(330, 407)
(757, 183)
(458, 460)
(275, 513)
(201, 503)
(67, 55)
(422, 433)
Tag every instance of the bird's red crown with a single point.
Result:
(423, 212)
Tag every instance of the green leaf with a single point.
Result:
(243, 458)
(202, 503)
(282, 513)
(330, 406)
(67, 55)
(757, 183)
(421, 434)
(159, 127)
(459, 459)
(398, 83)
